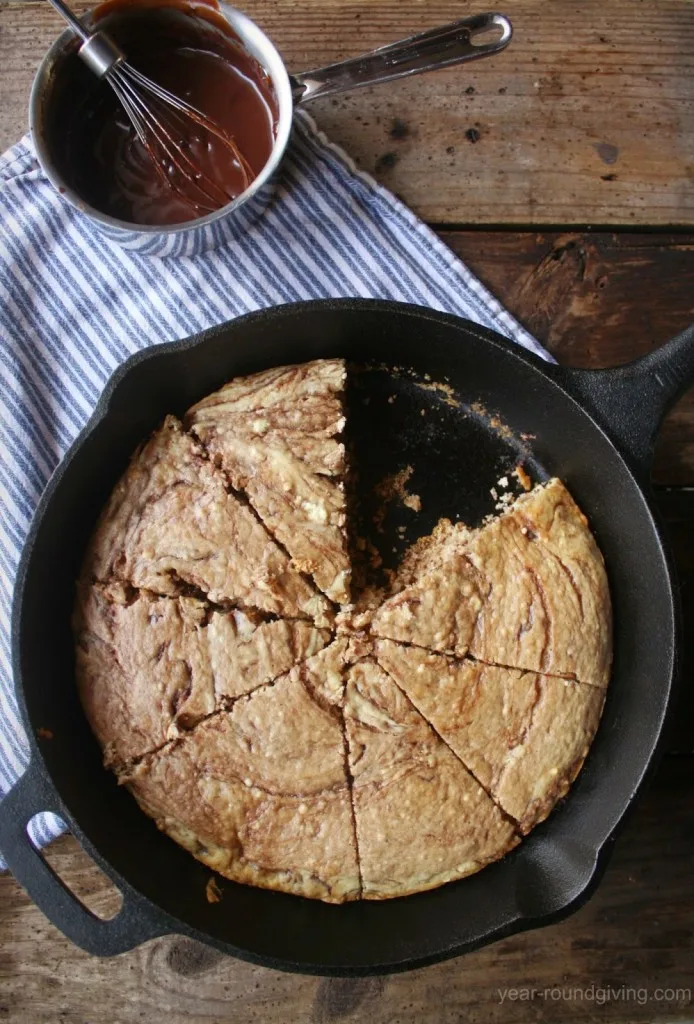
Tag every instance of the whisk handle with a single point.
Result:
(101, 54)
(97, 51)
(72, 19)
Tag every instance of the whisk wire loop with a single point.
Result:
(162, 121)
(166, 152)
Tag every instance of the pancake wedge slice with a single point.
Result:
(297, 407)
(142, 667)
(276, 435)
(246, 651)
(150, 667)
(421, 818)
(528, 590)
(171, 524)
(260, 793)
(522, 735)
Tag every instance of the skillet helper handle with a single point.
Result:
(631, 401)
(133, 923)
(437, 48)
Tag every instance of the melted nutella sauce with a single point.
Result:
(192, 52)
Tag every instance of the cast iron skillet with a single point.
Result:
(594, 429)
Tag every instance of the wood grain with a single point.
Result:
(587, 118)
(595, 300)
(636, 933)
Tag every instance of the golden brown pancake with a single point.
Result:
(446, 719)
(421, 818)
(260, 793)
(276, 435)
(171, 523)
(523, 736)
(528, 590)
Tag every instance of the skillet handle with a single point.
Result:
(132, 925)
(631, 401)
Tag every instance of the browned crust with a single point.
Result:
(277, 437)
(149, 667)
(171, 523)
(522, 735)
(404, 774)
(143, 670)
(260, 793)
(528, 590)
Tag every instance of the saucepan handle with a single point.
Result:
(132, 925)
(479, 36)
(631, 401)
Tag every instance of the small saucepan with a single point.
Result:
(469, 39)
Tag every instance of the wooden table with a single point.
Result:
(563, 173)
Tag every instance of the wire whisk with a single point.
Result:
(164, 123)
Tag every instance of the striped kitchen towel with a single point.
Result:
(73, 305)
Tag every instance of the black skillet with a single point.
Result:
(594, 429)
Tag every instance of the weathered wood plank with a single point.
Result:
(634, 937)
(595, 300)
(587, 118)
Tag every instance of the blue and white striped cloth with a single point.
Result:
(73, 305)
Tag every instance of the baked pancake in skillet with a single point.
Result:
(299, 727)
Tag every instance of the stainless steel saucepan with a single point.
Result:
(469, 39)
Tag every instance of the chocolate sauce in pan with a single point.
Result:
(192, 52)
